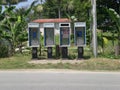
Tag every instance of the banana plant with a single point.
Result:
(3, 14)
(116, 19)
(14, 26)
(22, 19)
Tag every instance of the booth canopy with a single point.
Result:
(60, 20)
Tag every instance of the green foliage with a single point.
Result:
(67, 8)
(57, 40)
(72, 57)
(72, 38)
(4, 51)
(30, 8)
(115, 17)
(13, 23)
(102, 41)
(104, 20)
(81, 8)
(110, 56)
(88, 37)
(13, 26)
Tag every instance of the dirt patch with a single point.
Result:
(54, 61)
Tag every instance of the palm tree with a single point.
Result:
(1, 18)
(68, 6)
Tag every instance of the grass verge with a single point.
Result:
(21, 62)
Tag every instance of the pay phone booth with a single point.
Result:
(64, 38)
(49, 40)
(33, 38)
(80, 37)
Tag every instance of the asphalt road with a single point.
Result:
(59, 80)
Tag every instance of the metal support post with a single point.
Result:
(34, 53)
(49, 52)
(80, 52)
(64, 52)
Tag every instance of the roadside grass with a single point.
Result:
(93, 64)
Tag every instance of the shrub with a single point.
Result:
(3, 51)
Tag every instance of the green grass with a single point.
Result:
(21, 62)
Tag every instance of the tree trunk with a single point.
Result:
(117, 51)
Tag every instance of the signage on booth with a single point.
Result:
(64, 34)
(33, 34)
(49, 25)
(49, 34)
(33, 25)
(80, 33)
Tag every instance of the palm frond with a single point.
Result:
(29, 9)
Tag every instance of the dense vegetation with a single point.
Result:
(13, 22)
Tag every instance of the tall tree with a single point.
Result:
(63, 8)
(50, 9)
(81, 9)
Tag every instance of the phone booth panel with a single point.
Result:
(64, 34)
(49, 40)
(34, 38)
(33, 35)
(80, 37)
(80, 33)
